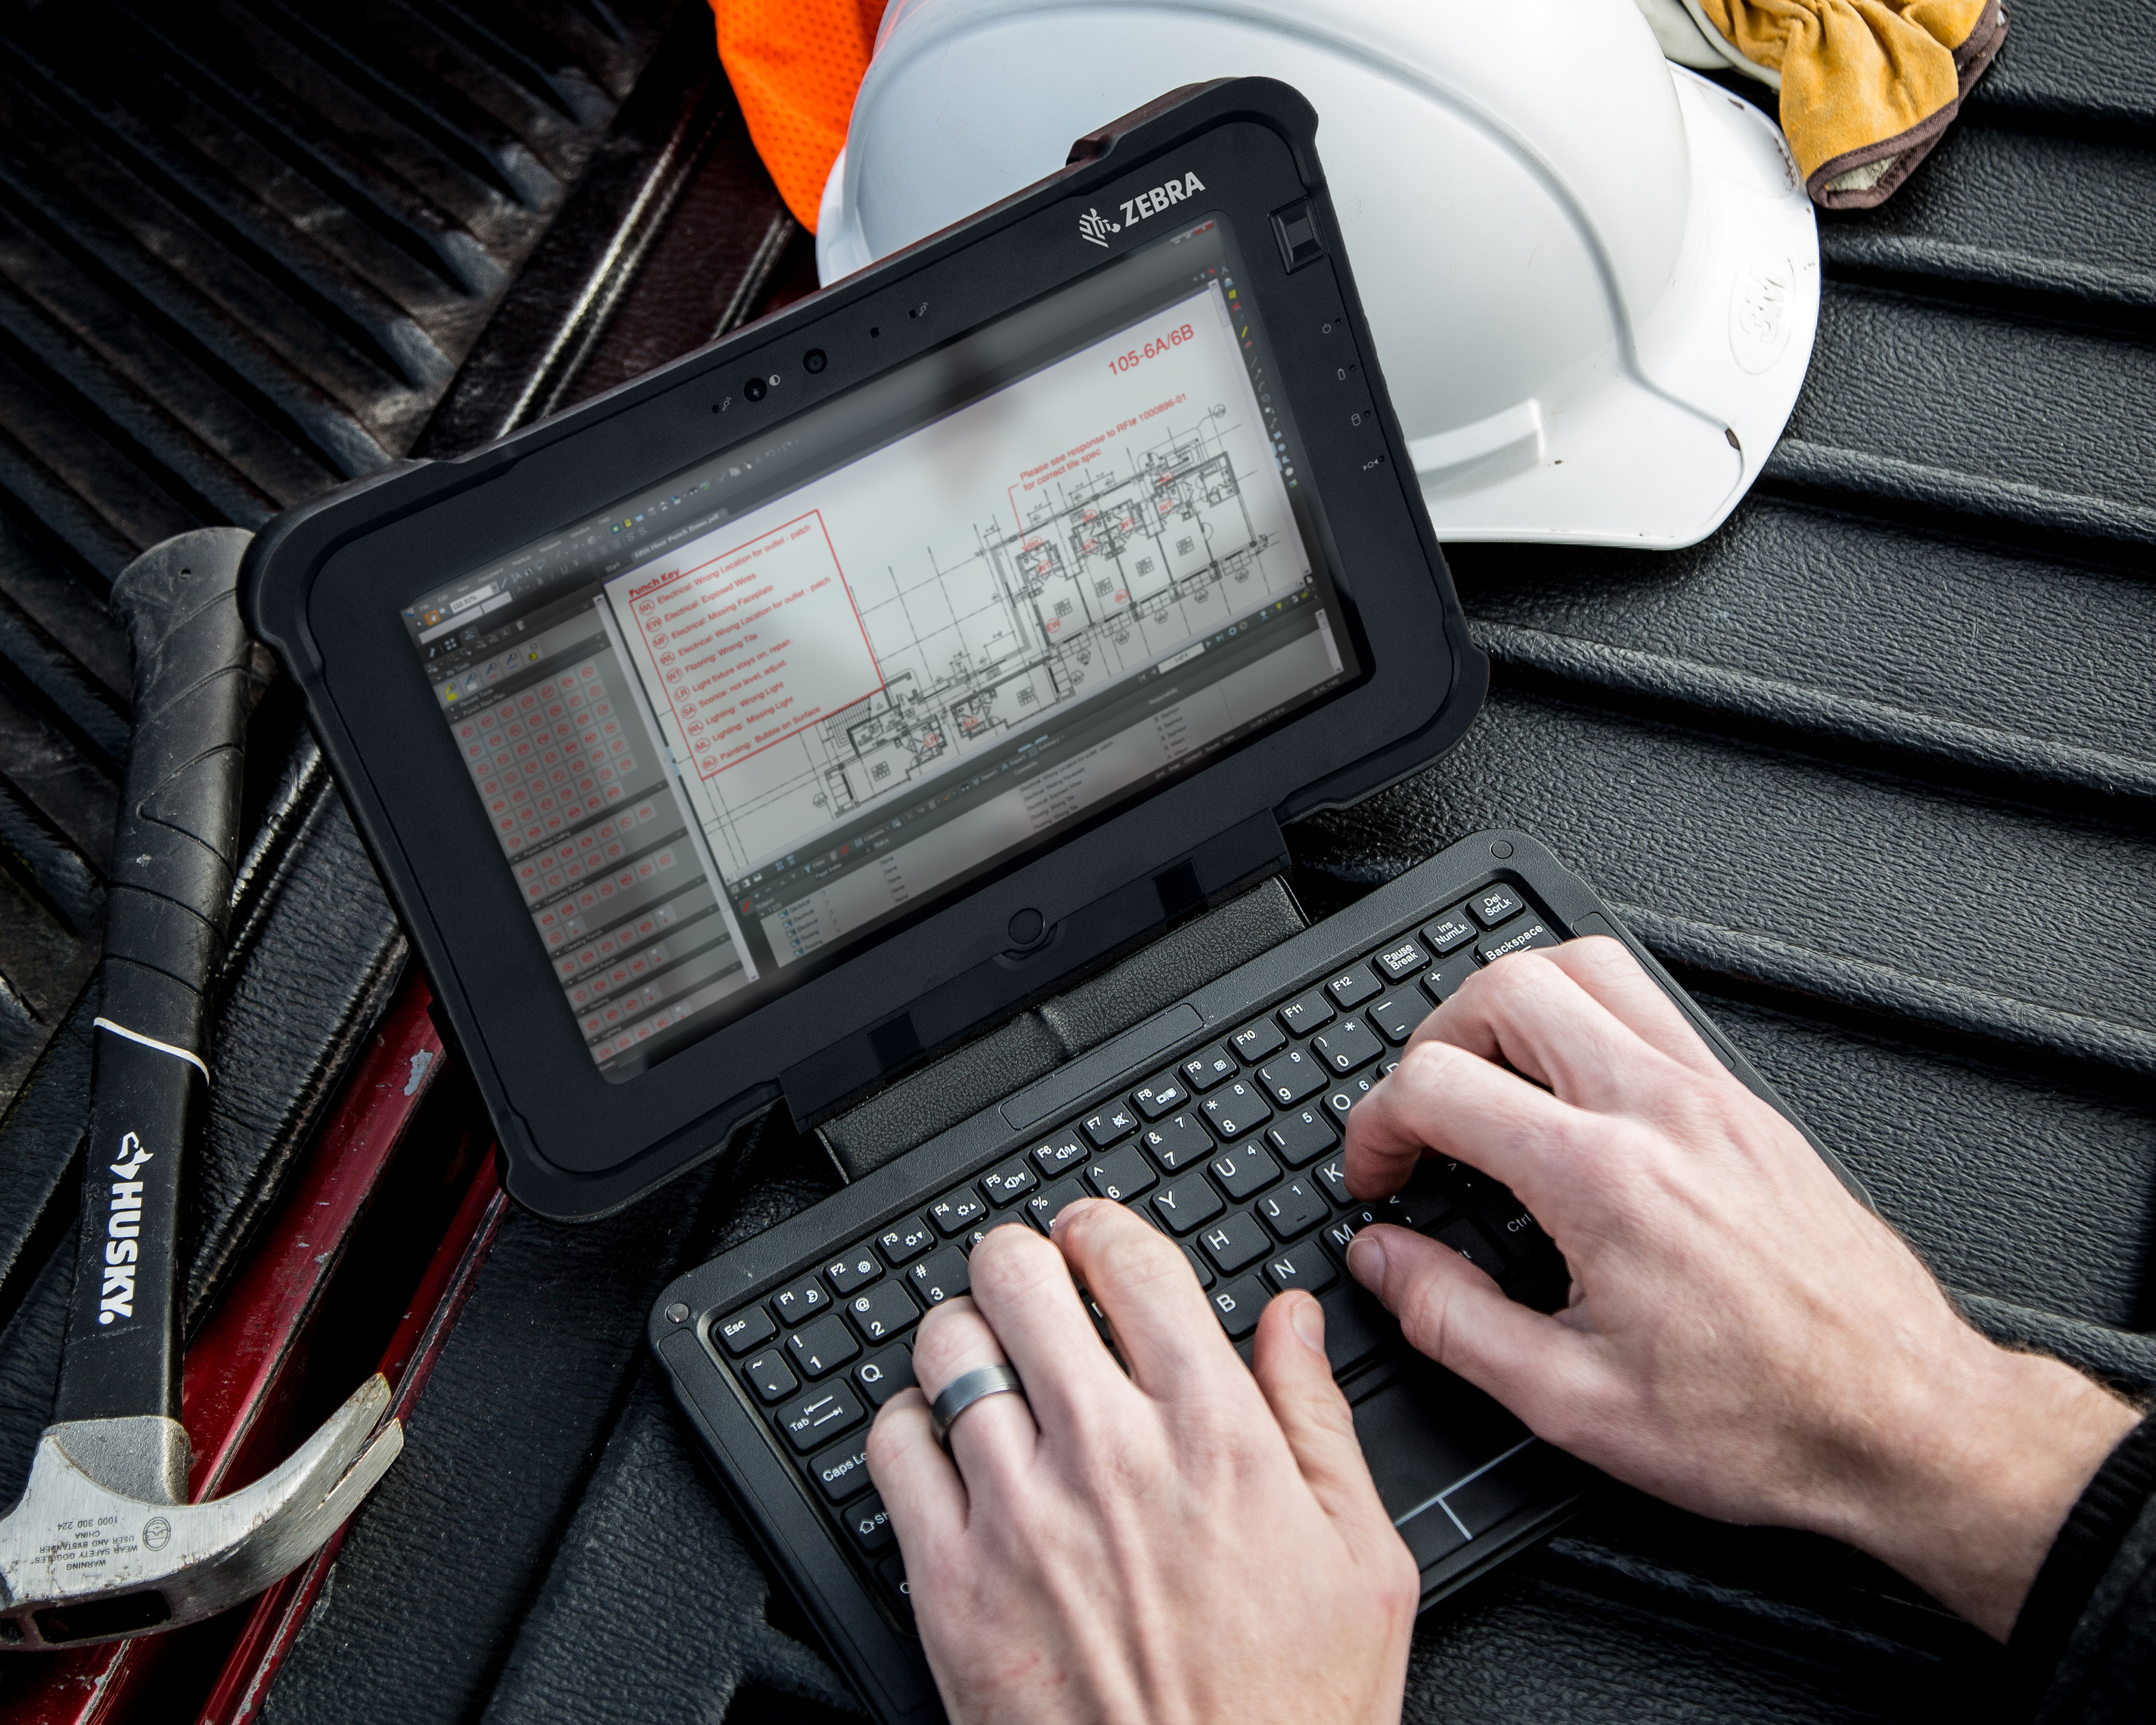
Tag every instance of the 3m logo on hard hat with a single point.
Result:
(1096, 228)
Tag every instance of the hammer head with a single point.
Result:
(102, 1547)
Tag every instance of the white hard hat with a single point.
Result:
(1593, 276)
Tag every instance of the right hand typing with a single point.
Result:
(1743, 1337)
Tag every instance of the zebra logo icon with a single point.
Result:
(1096, 228)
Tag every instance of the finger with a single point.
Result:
(993, 1439)
(1289, 1365)
(1164, 1328)
(1606, 970)
(1532, 1014)
(921, 1485)
(1442, 1099)
(1023, 1288)
(1455, 1314)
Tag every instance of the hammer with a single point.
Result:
(104, 1543)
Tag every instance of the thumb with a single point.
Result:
(1290, 1364)
(1452, 1312)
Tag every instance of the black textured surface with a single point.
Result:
(244, 246)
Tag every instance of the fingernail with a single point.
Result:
(1309, 1320)
(1366, 1262)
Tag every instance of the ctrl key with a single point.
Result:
(819, 1416)
(891, 1572)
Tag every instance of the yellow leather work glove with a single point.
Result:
(1868, 86)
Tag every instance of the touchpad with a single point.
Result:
(1450, 1464)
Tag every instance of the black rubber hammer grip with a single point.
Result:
(167, 906)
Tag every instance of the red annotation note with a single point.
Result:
(756, 643)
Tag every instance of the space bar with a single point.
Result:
(1056, 1092)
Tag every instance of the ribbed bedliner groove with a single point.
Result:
(1952, 748)
(244, 246)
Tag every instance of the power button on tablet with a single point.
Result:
(1025, 927)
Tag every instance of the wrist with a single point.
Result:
(1967, 1485)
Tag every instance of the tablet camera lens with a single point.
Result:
(813, 360)
(756, 389)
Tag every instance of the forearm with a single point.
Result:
(1966, 1490)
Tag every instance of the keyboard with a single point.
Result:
(1234, 1152)
(1218, 1119)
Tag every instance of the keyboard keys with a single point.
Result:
(904, 1241)
(1122, 1176)
(1045, 1205)
(1109, 1125)
(848, 1273)
(1293, 1209)
(1177, 1142)
(1008, 1183)
(1234, 1242)
(748, 1329)
(1187, 1203)
(819, 1416)
(891, 1572)
(1397, 1014)
(881, 1313)
(1401, 960)
(1445, 980)
(1344, 1096)
(1494, 905)
(770, 1377)
(1236, 1109)
(943, 1276)
(1514, 1229)
(1163, 1096)
(801, 1302)
(955, 1212)
(825, 1346)
(1346, 1045)
(1356, 1326)
(1305, 1013)
(881, 1376)
(842, 1470)
(1300, 1137)
(1450, 933)
(1352, 987)
(1244, 1168)
(1212, 1066)
(1239, 1306)
(1306, 1267)
(1521, 936)
(1059, 1154)
(1465, 1238)
(869, 1523)
(1256, 1117)
(1290, 1077)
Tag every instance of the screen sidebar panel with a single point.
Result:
(756, 715)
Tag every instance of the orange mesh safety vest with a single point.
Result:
(794, 65)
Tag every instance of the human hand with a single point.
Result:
(1743, 1337)
(1193, 1541)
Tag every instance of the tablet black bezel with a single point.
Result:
(324, 585)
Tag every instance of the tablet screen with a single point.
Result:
(775, 706)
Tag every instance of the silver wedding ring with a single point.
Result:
(962, 1391)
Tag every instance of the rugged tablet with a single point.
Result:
(766, 725)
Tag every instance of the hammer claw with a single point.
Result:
(81, 1561)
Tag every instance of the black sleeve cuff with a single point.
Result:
(2088, 1543)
